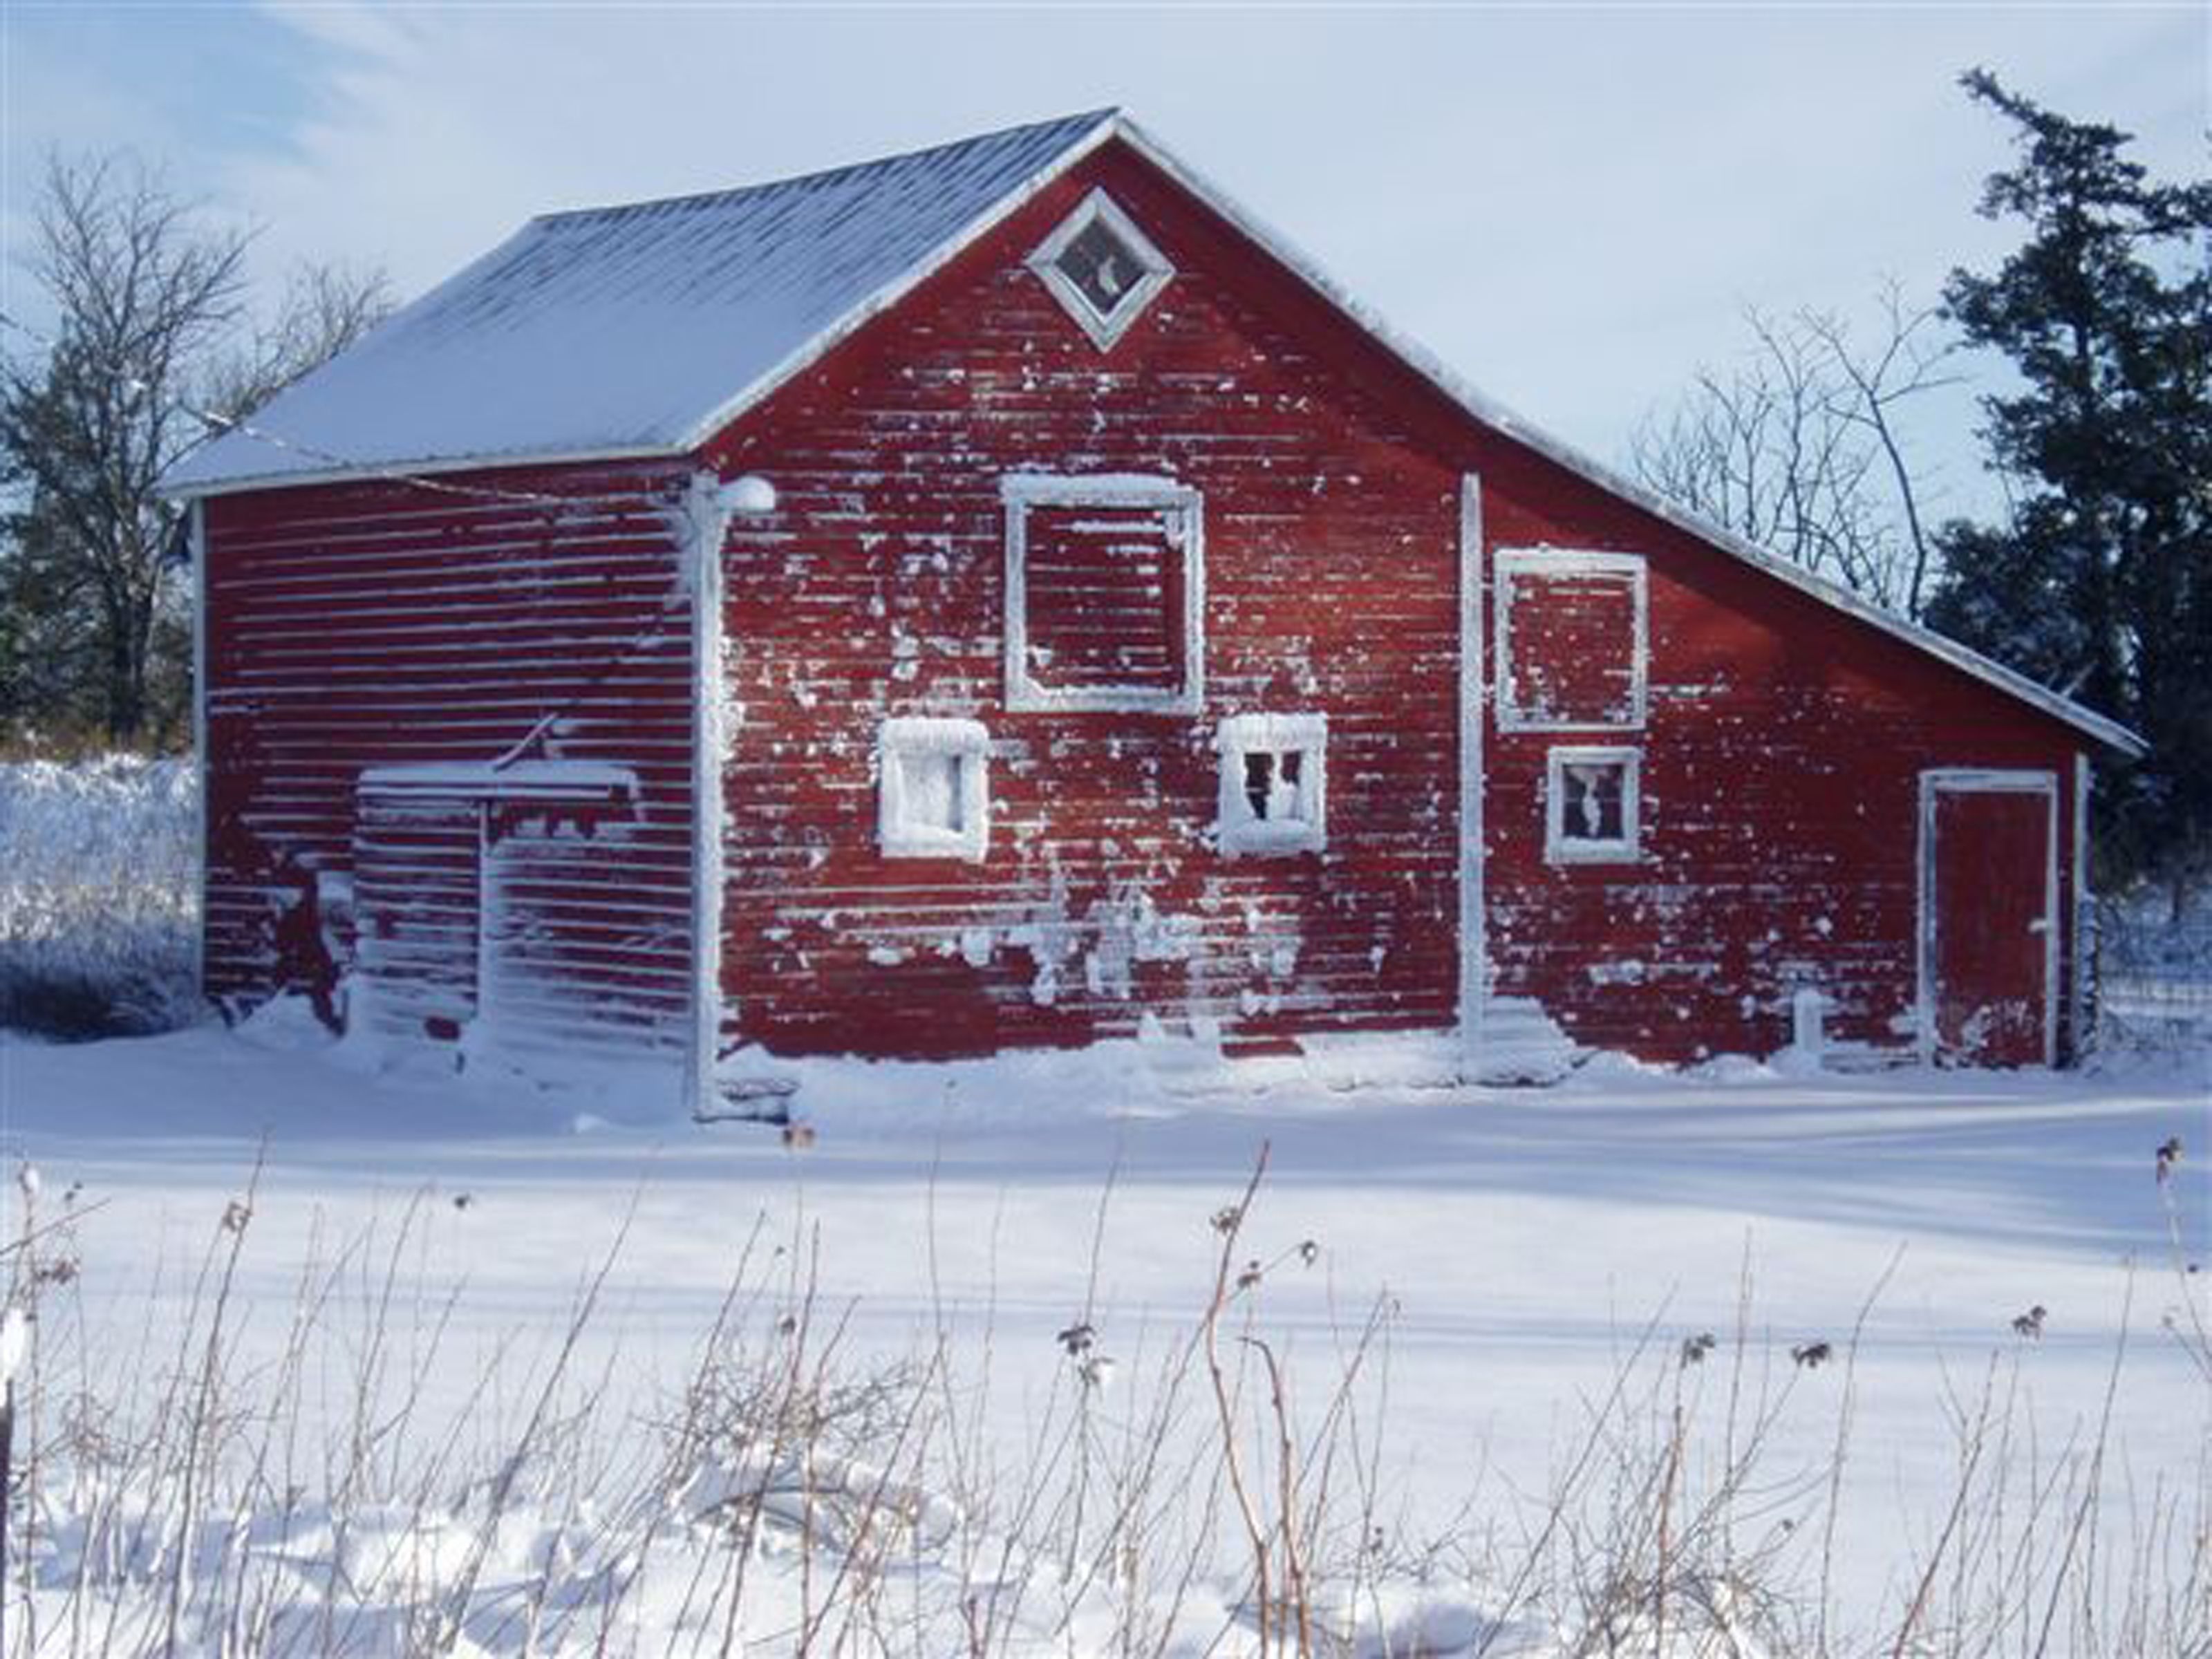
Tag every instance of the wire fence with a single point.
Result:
(2154, 972)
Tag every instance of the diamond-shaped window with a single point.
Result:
(1102, 269)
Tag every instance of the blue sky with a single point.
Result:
(1569, 205)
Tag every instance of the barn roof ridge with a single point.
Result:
(986, 177)
(1081, 120)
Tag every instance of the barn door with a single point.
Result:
(1988, 917)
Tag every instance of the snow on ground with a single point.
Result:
(1541, 1256)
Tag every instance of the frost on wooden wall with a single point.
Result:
(483, 899)
(1572, 641)
(1101, 560)
(441, 640)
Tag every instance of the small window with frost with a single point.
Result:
(1105, 593)
(1274, 783)
(1102, 269)
(1591, 805)
(933, 794)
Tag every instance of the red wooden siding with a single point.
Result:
(1779, 746)
(878, 589)
(1989, 869)
(1779, 755)
(1781, 759)
(377, 625)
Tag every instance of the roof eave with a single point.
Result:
(404, 471)
(755, 392)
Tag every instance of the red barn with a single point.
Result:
(1003, 596)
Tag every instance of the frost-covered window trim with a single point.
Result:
(1022, 491)
(969, 743)
(1547, 562)
(1562, 847)
(1105, 327)
(1238, 829)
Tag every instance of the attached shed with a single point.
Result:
(1001, 596)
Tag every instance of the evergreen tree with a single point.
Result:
(2101, 583)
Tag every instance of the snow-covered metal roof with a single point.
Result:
(624, 331)
(643, 330)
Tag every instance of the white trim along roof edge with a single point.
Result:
(1112, 124)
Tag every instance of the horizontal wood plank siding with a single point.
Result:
(1780, 758)
(1779, 746)
(352, 627)
(877, 589)
(1777, 743)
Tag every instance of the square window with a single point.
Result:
(1274, 783)
(929, 788)
(932, 789)
(1592, 805)
(1102, 269)
(1105, 593)
(1572, 640)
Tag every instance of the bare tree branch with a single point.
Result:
(149, 300)
(1798, 448)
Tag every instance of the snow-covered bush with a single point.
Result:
(99, 894)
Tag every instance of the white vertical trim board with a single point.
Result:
(705, 524)
(1474, 936)
(485, 1025)
(1565, 564)
(2079, 925)
(1962, 780)
(196, 533)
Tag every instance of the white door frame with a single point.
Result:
(1967, 779)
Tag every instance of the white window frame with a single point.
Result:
(1557, 563)
(1237, 831)
(1022, 491)
(1107, 327)
(969, 744)
(1559, 847)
